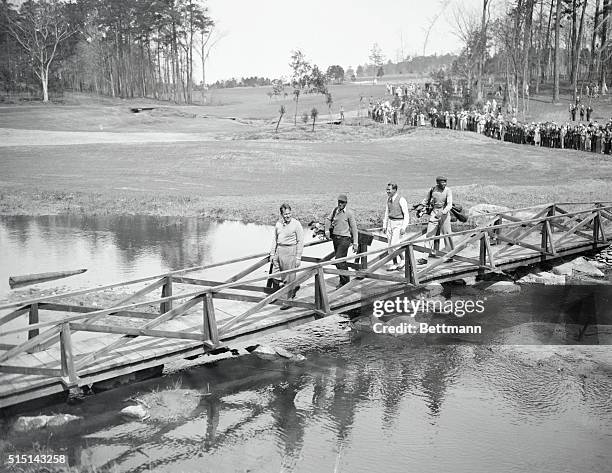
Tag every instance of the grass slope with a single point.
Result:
(242, 169)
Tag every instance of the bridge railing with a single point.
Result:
(505, 240)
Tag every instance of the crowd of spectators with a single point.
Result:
(411, 105)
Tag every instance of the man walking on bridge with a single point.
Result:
(341, 227)
(395, 222)
(438, 202)
(287, 247)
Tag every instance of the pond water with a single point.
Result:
(115, 249)
(361, 402)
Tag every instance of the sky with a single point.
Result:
(258, 36)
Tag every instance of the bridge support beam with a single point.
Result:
(69, 376)
(410, 268)
(209, 321)
(321, 299)
(33, 319)
(166, 292)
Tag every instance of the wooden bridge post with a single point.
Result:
(597, 226)
(497, 231)
(321, 300)
(166, 292)
(209, 321)
(33, 319)
(364, 240)
(270, 281)
(410, 268)
(67, 361)
(482, 258)
(545, 243)
(363, 261)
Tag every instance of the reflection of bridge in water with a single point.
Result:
(131, 338)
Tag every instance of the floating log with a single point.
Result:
(27, 279)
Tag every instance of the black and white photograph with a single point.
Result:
(313, 237)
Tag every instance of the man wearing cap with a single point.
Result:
(341, 227)
(395, 222)
(440, 200)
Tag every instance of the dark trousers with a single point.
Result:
(341, 246)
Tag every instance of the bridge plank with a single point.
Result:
(162, 318)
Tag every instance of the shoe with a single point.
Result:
(285, 307)
(393, 267)
(421, 261)
(400, 267)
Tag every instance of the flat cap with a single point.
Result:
(441, 178)
(342, 198)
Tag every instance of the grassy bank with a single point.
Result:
(263, 209)
(243, 171)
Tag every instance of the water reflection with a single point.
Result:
(357, 404)
(118, 248)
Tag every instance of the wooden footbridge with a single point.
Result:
(72, 344)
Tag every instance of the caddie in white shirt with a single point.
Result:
(395, 223)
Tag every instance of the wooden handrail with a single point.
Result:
(148, 278)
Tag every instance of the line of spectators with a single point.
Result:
(592, 136)
(408, 105)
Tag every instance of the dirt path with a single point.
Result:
(11, 137)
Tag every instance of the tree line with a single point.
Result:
(120, 48)
(535, 43)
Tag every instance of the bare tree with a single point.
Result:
(526, 46)
(432, 22)
(329, 101)
(466, 29)
(483, 46)
(39, 28)
(300, 76)
(209, 38)
(577, 50)
(314, 113)
(281, 111)
(557, 61)
(594, 45)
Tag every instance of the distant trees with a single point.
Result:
(350, 74)
(242, 82)
(376, 55)
(126, 48)
(278, 88)
(329, 101)
(314, 113)
(305, 78)
(300, 68)
(527, 43)
(40, 28)
(335, 73)
(410, 65)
